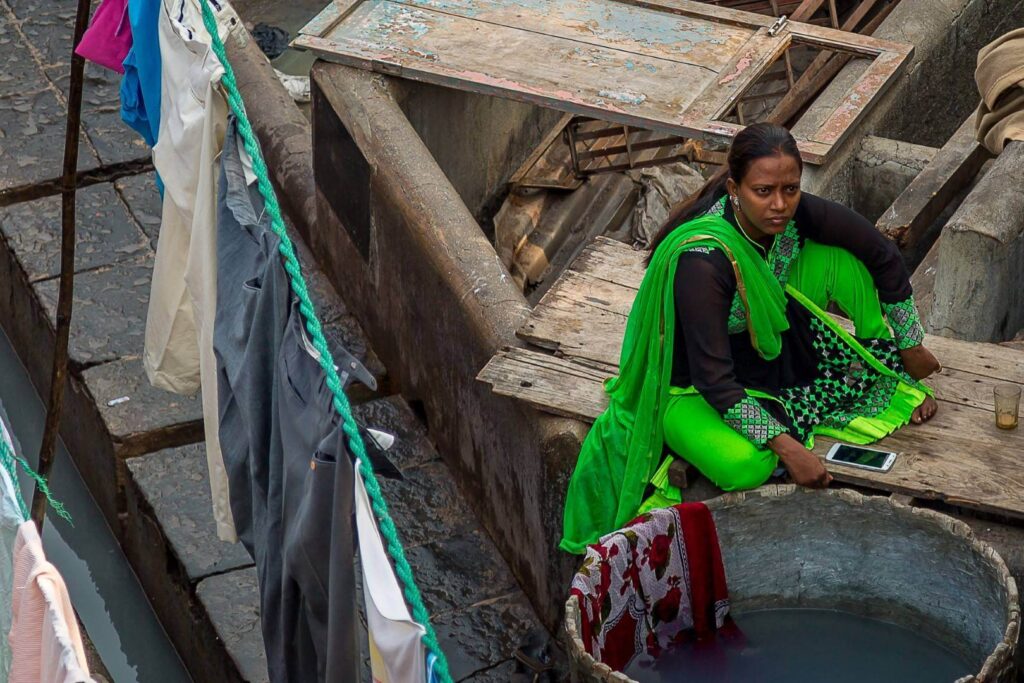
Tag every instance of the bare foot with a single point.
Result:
(925, 411)
(919, 362)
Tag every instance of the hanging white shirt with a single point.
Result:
(397, 653)
(179, 326)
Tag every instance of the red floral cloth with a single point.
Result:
(654, 584)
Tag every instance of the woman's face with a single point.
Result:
(768, 194)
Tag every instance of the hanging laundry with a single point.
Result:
(12, 515)
(657, 582)
(289, 469)
(140, 87)
(109, 36)
(397, 653)
(179, 325)
(46, 645)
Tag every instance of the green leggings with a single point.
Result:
(696, 432)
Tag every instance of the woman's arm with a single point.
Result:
(704, 288)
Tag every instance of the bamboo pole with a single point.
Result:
(69, 183)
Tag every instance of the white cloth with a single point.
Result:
(397, 653)
(46, 645)
(10, 519)
(182, 305)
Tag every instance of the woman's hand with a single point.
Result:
(804, 467)
(919, 362)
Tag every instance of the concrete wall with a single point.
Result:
(882, 169)
(931, 97)
(436, 303)
(478, 141)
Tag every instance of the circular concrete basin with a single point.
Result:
(786, 547)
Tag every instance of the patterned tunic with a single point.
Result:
(818, 378)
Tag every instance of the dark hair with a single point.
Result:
(750, 144)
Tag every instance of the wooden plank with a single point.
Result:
(720, 15)
(694, 40)
(927, 195)
(960, 457)
(547, 382)
(566, 320)
(456, 52)
(854, 105)
(736, 77)
(542, 150)
(806, 10)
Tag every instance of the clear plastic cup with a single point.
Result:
(1007, 405)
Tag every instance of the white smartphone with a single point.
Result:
(857, 456)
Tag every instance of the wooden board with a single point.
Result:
(927, 195)
(672, 66)
(959, 457)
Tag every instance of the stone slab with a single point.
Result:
(19, 73)
(412, 447)
(232, 601)
(32, 127)
(148, 412)
(499, 673)
(482, 636)
(459, 572)
(143, 199)
(176, 484)
(49, 27)
(105, 232)
(109, 316)
(113, 140)
(426, 505)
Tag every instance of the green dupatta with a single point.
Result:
(624, 447)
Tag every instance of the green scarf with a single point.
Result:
(624, 447)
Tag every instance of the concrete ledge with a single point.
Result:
(170, 539)
(979, 283)
(395, 236)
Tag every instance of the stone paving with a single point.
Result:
(149, 470)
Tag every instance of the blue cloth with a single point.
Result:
(140, 87)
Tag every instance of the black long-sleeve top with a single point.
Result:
(721, 365)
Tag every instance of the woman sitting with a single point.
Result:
(729, 358)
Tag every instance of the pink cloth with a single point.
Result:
(46, 645)
(109, 36)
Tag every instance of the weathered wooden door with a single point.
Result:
(670, 65)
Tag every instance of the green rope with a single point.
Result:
(341, 403)
(8, 458)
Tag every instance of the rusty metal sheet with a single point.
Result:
(672, 66)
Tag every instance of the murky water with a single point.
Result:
(104, 590)
(798, 645)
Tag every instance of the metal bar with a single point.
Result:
(65, 295)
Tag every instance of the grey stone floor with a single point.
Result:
(203, 589)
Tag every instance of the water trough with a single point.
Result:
(785, 547)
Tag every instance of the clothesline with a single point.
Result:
(340, 401)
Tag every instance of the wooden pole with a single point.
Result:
(69, 179)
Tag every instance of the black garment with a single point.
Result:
(720, 365)
(289, 471)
